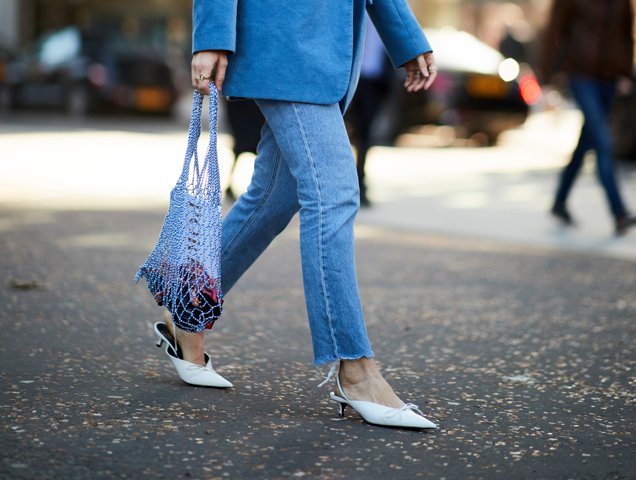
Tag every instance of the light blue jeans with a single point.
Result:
(305, 162)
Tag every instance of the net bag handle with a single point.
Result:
(206, 177)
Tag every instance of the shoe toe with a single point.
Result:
(213, 379)
(203, 376)
(208, 378)
(413, 420)
(382, 415)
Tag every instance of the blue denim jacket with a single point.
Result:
(301, 50)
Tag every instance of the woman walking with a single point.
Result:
(592, 42)
(300, 60)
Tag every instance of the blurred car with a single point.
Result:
(477, 90)
(80, 72)
(6, 56)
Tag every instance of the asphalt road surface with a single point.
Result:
(514, 335)
(523, 356)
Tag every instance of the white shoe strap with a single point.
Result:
(330, 374)
(337, 398)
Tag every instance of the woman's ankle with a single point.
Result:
(363, 381)
(356, 371)
(192, 345)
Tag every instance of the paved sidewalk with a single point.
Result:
(489, 193)
(487, 200)
(501, 193)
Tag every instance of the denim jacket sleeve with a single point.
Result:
(214, 25)
(400, 33)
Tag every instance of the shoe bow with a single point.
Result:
(407, 406)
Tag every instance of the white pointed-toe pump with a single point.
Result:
(204, 376)
(407, 416)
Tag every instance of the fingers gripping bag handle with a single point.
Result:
(183, 270)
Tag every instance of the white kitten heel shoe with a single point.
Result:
(203, 376)
(408, 416)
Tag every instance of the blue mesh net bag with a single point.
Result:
(183, 271)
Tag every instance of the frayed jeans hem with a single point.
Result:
(321, 362)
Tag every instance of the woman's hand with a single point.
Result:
(420, 72)
(208, 65)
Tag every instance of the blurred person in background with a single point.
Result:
(517, 35)
(300, 62)
(376, 74)
(245, 121)
(591, 42)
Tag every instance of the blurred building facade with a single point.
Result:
(21, 21)
(157, 21)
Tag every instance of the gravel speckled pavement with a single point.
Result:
(524, 357)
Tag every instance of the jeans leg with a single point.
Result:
(315, 146)
(572, 169)
(594, 99)
(259, 214)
